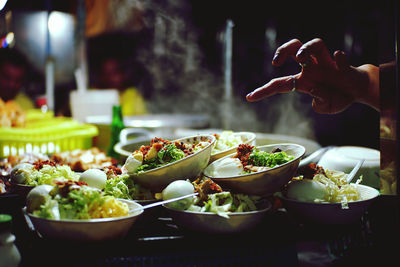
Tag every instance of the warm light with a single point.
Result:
(2, 4)
(10, 38)
(57, 23)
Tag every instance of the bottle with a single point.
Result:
(9, 254)
(41, 103)
(117, 124)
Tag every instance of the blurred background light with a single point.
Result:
(10, 38)
(2, 4)
(58, 23)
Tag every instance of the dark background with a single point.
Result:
(260, 27)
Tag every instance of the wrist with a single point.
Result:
(370, 85)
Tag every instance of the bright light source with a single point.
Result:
(57, 23)
(10, 38)
(2, 4)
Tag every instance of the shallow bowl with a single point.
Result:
(208, 222)
(265, 182)
(330, 213)
(246, 137)
(21, 190)
(86, 230)
(187, 168)
(344, 158)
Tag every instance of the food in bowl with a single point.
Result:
(74, 211)
(211, 198)
(160, 153)
(249, 159)
(328, 199)
(226, 140)
(41, 172)
(214, 210)
(121, 185)
(320, 185)
(73, 200)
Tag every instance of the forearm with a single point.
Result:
(372, 94)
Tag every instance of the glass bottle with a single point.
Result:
(9, 254)
(117, 124)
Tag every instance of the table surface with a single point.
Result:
(279, 240)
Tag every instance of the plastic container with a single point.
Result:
(46, 134)
(9, 254)
(93, 102)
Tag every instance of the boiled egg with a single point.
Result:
(306, 190)
(178, 188)
(133, 162)
(37, 196)
(94, 178)
(227, 167)
(20, 172)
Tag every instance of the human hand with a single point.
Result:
(332, 82)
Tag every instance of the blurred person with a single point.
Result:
(332, 82)
(113, 75)
(13, 73)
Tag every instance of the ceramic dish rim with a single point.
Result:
(213, 139)
(258, 172)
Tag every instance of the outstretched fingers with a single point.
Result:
(314, 51)
(275, 86)
(288, 49)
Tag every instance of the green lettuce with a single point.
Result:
(123, 187)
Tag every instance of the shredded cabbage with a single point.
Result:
(123, 186)
(225, 141)
(80, 202)
(49, 174)
(339, 191)
(224, 203)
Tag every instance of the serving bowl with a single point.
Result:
(344, 158)
(330, 213)
(264, 182)
(186, 168)
(86, 230)
(209, 222)
(22, 190)
(246, 137)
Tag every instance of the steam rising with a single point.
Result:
(182, 84)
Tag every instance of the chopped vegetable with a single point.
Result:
(75, 200)
(123, 186)
(226, 140)
(267, 159)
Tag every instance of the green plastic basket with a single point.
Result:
(46, 135)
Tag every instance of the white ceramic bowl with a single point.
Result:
(344, 158)
(246, 137)
(86, 230)
(330, 213)
(209, 222)
(265, 182)
(187, 168)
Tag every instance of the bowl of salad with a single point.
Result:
(323, 196)
(252, 170)
(164, 161)
(228, 141)
(25, 176)
(213, 210)
(74, 211)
